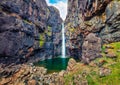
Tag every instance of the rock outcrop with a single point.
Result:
(91, 48)
(28, 29)
(28, 75)
(100, 17)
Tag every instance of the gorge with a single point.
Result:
(37, 47)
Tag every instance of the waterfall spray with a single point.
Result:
(63, 41)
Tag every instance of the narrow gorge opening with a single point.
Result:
(59, 62)
(40, 45)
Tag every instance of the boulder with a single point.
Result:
(104, 71)
(106, 51)
(118, 50)
(71, 64)
(91, 48)
(32, 82)
(62, 73)
(109, 47)
(111, 55)
(79, 80)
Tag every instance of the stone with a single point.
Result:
(106, 51)
(22, 24)
(24, 74)
(5, 81)
(91, 48)
(99, 17)
(104, 71)
(109, 47)
(71, 64)
(79, 80)
(118, 50)
(62, 73)
(32, 82)
(111, 55)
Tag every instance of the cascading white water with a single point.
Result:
(63, 41)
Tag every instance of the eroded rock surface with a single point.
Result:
(84, 17)
(29, 75)
(29, 29)
(91, 48)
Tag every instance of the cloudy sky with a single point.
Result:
(61, 5)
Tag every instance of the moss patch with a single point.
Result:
(42, 39)
(48, 32)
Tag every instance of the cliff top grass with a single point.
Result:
(93, 69)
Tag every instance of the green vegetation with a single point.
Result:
(93, 69)
(72, 30)
(48, 31)
(27, 22)
(42, 39)
(68, 79)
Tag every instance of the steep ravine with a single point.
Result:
(30, 30)
(89, 25)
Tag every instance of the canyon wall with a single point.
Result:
(29, 30)
(89, 24)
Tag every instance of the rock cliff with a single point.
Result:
(29, 29)
(89, 24)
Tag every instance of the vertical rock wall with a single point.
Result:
(88, 18)
(28, 29)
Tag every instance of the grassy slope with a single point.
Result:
(92, 69)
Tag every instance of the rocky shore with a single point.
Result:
(28, 74)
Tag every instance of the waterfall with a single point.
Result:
(63, 41)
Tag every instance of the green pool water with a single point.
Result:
(54, 65)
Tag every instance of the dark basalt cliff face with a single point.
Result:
(89, 24)
(29, 29)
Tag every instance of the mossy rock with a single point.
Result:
(42, 39)
(48, 32)
(72, 30)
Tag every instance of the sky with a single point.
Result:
(61, 5)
